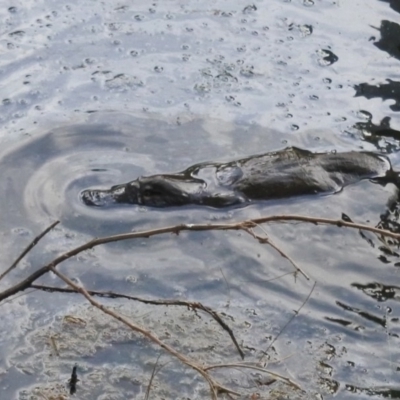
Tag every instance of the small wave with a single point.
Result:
(42, 179)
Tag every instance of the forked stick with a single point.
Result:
(215, 387)
(243, 225)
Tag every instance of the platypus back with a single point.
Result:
(281, 174)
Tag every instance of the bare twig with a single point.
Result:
(267, 240)
(247, 226)
(215, 387)
(290, 320)
(229, 291)
(153, 374)
(34, 242)
(243, 225)
(277, 277)
(189, 304)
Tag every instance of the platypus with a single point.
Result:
(280, 174)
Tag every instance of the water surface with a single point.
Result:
(99, 94)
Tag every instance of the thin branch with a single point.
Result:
(153, 374)
(290, 320)
(277, 277)
(17, 297)
(325, 221)
(267, 240)
(229, 292)
(245, 365)
(215, 387)
(243, 225)
(189, 304)
(34, 242)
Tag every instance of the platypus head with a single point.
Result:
(164, 191)
(153, 191)
(104, 198)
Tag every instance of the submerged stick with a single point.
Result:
(296, 313)
(215, 387)
(189, 304)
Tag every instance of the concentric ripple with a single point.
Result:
(42, 179)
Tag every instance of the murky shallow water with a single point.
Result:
(97, 94)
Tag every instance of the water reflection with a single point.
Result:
(390, 393)
(390, 219)
(389, 42)
(364, 314)
(390, 38)
(379, 291)
(378, 134)
(394, 4)
(386, 91)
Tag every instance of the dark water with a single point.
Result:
(97, 94)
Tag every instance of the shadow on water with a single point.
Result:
(390, 38)
(386, 91)
(383, 136)
(378, 392)
(394, 4)
(389, 42)
(375, 134)
(41, 181)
